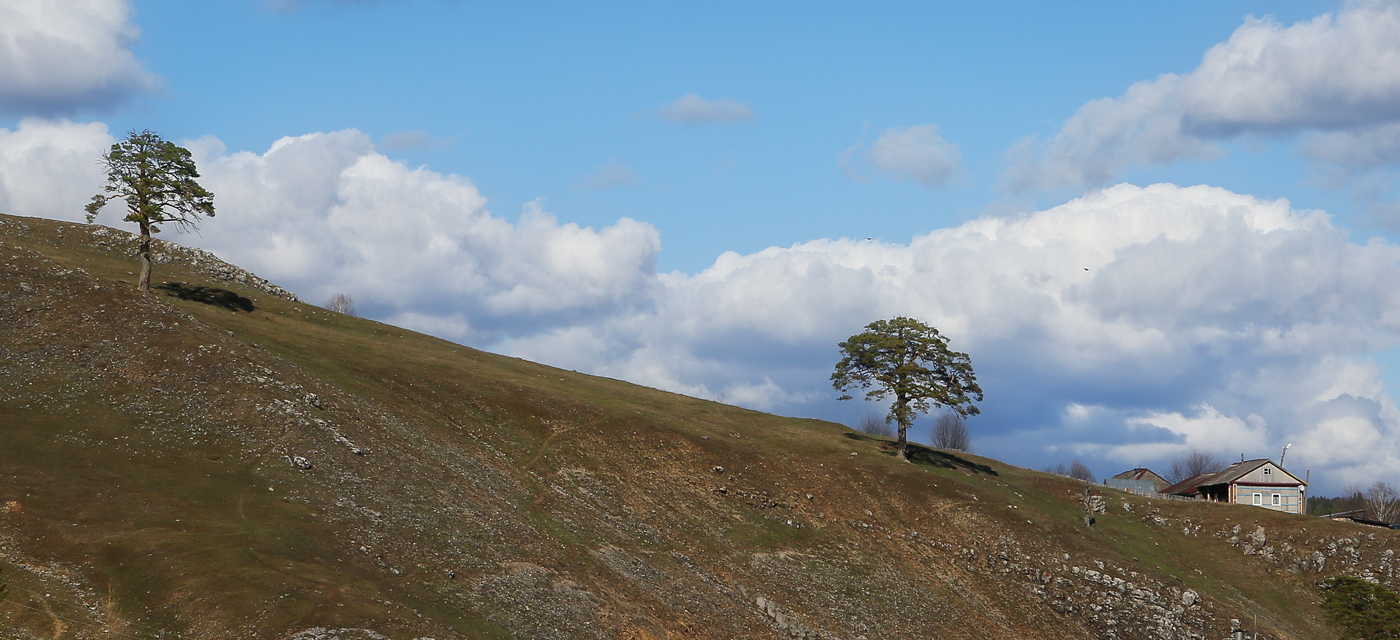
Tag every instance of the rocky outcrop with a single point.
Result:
(198, 259)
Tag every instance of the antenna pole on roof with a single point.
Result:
(1285, 452)
(1241, 457)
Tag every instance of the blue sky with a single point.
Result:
(680, 194)
(529, 102)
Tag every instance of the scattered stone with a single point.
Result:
(321, 633)
(1257, 538)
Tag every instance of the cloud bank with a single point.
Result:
(50, 169)
(1126, 327)
(692, 109)
(64, 57)
(1335, 75)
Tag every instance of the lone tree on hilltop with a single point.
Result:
(911, 362)
(156, 179)
(341, 303)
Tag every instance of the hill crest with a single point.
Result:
(187, 463)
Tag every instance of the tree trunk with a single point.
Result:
(901, 412)
(144, 282)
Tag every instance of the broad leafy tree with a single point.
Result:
(156, 179)
(909, 362)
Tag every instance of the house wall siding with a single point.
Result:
(1290, 498)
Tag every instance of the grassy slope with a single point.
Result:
(146, 484)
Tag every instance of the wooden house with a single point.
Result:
(1260, 483)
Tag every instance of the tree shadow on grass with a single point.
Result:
(208, 295)
(920, 454)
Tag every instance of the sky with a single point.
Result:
(1154, 227)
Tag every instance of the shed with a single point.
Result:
(1140, 474)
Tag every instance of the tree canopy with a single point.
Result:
(156, 178)
(1361, 609)
(909, 361)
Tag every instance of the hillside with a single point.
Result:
(220, 460)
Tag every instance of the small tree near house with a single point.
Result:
(1077, 470)
(909, 361)
(156, 178)
(1194, 464)
(1383, 503)
(950, 432)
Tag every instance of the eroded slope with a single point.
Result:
(219, 460)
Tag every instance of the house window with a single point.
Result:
(1278, 500)
(1258, 499)
(1268, 471)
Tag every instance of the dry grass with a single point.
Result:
(499, 498)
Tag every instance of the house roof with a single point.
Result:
(1186, 487)
(1141, 473)
(1230, 474)
(1138, 474)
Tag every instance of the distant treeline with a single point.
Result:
(1319, 506)
(1381, 502)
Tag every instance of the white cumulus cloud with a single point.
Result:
(1128, 326)
(1125, 326)
(50, 168)
(325, 212)
(916, 153)
(1332, 73)
(63, 56)
(693, 109)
